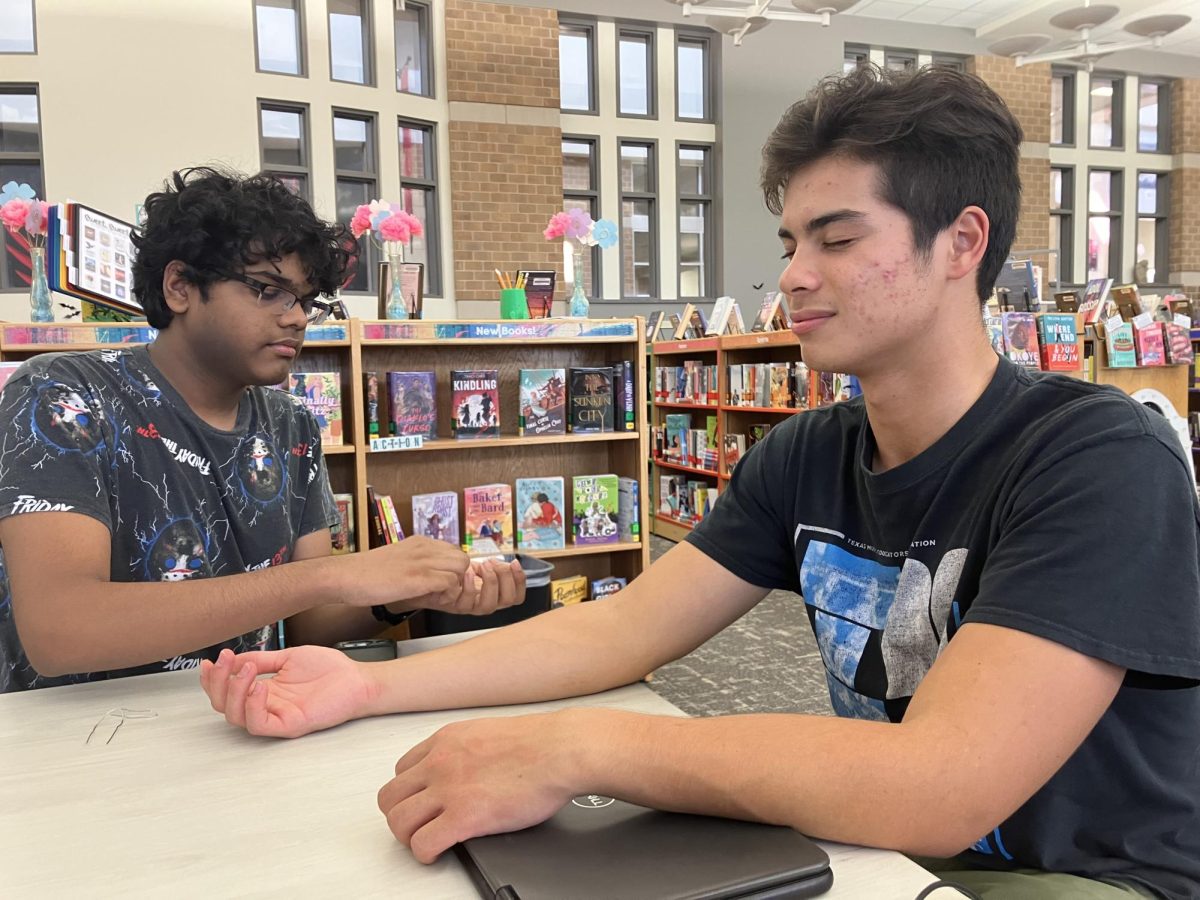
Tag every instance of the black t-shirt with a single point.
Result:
(1053, 506)
(104, 434)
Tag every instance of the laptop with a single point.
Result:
(598, 848)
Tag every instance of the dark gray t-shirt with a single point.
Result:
(104, 434)
(1055, 507)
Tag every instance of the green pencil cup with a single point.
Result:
(512, 304)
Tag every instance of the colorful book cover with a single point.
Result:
(1020, 338)
(1119, 339)
(677, 425)
(321, 394)
(436, 516)
(1059, 342)
(476, 403)
(342, 534)
(6, 372)
(629, 510)
(412, 403)
(668, 496)
(543, 402)
(594, 510)
(995, 332)
(1178, 345)
(1148, 342)
(606, 587)
(591, 400)
(488, 519)
(371, 399)
(540, 504)
(1095, 300)
(568, 591)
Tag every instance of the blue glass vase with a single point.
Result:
(577, 308)
(395, 257)
(40, 309)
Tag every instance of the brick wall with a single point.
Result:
(501, 54)
(1185, 185)
(505, 175)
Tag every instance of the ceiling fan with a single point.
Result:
(737, 21)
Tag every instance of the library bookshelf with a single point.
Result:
(356, 346)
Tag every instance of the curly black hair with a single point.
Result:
(214, 221)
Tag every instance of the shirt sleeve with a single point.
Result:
(55, 444)
(748, 530)
(1098, 551)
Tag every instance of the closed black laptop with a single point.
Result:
(597, 848)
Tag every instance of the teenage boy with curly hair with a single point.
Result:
(1007, 684)
(150, 497)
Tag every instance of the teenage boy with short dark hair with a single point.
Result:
(131, 478)
(1008, 685)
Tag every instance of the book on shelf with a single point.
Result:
(625, 417)
(321, 395)
(606, 587)
(683, 328)
(1066, 301)
(341, 535)
(672, 327)
(654, 324)
(629, 510)
(698, 324)
(1020, 338)
(995, 331)
(595, 502)
(772, 313)
(591, 399)
(435, 516)
(1118, 340)
(1126, 300)
(756, 433)
(1017, 286)
(412, 403)
(475, 403)
(1148, 343)
(543, 400)
(374, 410)
(540, 505)
(676, 429)
(568, 591)
(488, 519)
(1178, 342)
(1059, 342)
(735, 447)
(1095, 300)
(721, 316)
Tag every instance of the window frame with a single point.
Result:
(589, 27)
(368, 42)
(593, 198)
(705, 39)
(33, 21)
(902, 55)
(707, 199)
(1068, 77)
(301, 55)
(649, 32)
(434, 285)
(13, 156)
(425, 32)
(1164, 137)
(1118, 110)
(655, 211)
(1115, 213)
(859, 54)
(949, 61)
(363, 177)
(305, 137)
(1065, 214)
(1162, 223)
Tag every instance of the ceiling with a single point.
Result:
(992, 20)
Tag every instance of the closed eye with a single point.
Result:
(838, 245)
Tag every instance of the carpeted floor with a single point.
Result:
(767, 661)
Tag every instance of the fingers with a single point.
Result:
(216, 677)
(501, 585)
(239, 685)
(412, 814)
(437, 835)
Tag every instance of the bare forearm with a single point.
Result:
(837, 779)
(130, 624)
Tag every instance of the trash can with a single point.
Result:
(537, 600)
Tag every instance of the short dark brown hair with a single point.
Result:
(942, 140)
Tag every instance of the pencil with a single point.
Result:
(500, 278)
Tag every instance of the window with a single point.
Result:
(1153, 206)
(356, 183)
(576, 65)
(279, 36)
(635, 72)
(581, 190)
(1062, 108)
(946, 61)
(854, 56)
(1154, 117)
(1104, 224)
(414, 73)
(1062, 205)
(283, 139)
(639, 226)
(900, 60)
(694, 179)
(418, 195)
(20, 161)
(350, 41)
(1105, 119)
(693, 77)
(16, 27)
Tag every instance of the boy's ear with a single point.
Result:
(968, 241)
(178, 290)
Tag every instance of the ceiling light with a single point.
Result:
(1019, 45)
(738, 19)
(1149, 32)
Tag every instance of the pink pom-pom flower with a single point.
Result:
(394, 228)
(35, 221)
(361, 223)
(14, 213)
(559, 222)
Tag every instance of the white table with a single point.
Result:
(183, 805)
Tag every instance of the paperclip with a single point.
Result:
(121, 714)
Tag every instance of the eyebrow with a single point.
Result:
(832, 218)
(277, 279)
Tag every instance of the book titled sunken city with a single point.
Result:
(476, 403)
(543, 402)
(591, 399)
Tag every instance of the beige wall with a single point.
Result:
(132, 89)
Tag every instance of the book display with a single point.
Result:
(413, 469)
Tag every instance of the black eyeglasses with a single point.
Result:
(281, 299)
